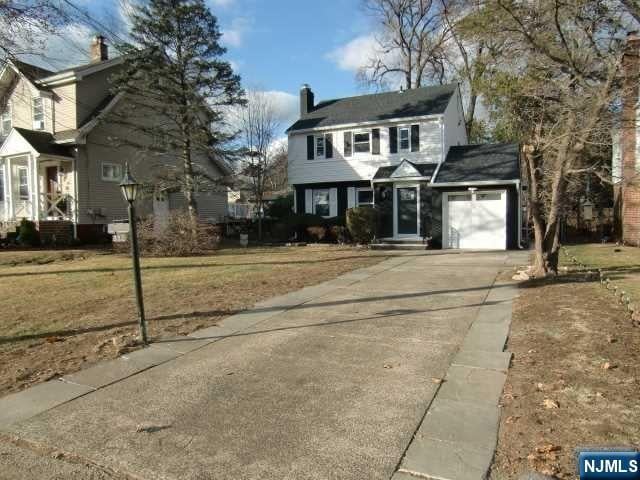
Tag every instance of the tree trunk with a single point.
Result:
(189, 189)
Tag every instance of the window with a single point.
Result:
(320, 146)
(321, 202)
(361, 142)
(5, 121)
(38, 113)
(23, 183)
(405, 139)
(489, 196)
(364, 196)
(111, 172)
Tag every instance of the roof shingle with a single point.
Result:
(377, 107)
(480, 163)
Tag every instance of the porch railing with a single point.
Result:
(57, 206)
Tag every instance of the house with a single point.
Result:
(59, 163)
(407, 153)
(626, 150)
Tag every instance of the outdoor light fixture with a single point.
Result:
(130, 188)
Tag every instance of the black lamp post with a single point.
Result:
(130, 188)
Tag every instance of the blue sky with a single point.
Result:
(275, 45)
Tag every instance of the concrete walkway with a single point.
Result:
(334, 381)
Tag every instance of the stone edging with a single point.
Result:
(621, 296)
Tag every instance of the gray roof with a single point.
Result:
(425, 169)
(379, 106)
(481, 163)
(43, 142)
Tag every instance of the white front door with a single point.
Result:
(406, 210)
(475, 220)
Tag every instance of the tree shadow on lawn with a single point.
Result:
(225, 313)
(180, 267)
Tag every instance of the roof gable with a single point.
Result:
(378, 107)
(405, 169)
(21, 140)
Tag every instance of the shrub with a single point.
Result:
(361, 223)
(339, 234)
(28, 234)
(316, 233)
(179, 238)
(280, 207)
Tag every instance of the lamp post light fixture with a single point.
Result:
(130, 188)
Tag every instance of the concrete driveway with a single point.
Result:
(327, 383)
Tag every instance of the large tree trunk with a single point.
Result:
(189, 189)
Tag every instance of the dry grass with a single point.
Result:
(65, 310)
(574, 380)
(621, 264)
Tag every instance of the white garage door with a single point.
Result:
(475, 220)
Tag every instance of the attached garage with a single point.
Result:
(475, 219)
(476, 198)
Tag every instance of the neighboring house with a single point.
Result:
(60, 164)
(626, 151)
(406, 153)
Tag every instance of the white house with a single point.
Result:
(407, 153)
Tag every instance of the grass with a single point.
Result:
(621, 264)
(63, 310)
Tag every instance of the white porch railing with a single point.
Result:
(55, 206)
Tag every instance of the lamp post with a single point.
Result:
(129, 188)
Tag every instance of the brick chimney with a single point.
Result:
(628, 191)
(99, 51)
(306, 100)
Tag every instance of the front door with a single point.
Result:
(52, 181)
(406, 214)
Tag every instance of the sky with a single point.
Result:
(275, 45)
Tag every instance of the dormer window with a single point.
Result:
(38, 113)
(5, 121)
(361, 142)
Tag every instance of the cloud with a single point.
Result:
(233, 36)
(355, 54)
(221, 3)
(67, 48)
(285, 105)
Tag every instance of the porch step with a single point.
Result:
(401, 241)
(398, 246)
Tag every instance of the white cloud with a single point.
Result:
(355, 54)
(233, 36)
(285, 105)
(67, 48)
(221, 3)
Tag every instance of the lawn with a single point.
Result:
(64, 310)
(574, 379)
(621, 264)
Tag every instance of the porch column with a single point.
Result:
(5, 195)
(35, 202)
(9, 184)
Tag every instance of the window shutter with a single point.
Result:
(351, 197)
(310, 147)
(375, 141)
(328, 145)
(308, 201)
(393, 139)
(333, 202)
(348, 148)
(415, 138)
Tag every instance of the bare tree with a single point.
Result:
(259, 126)
(23, 24)
(557, 86)
(410, 43)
